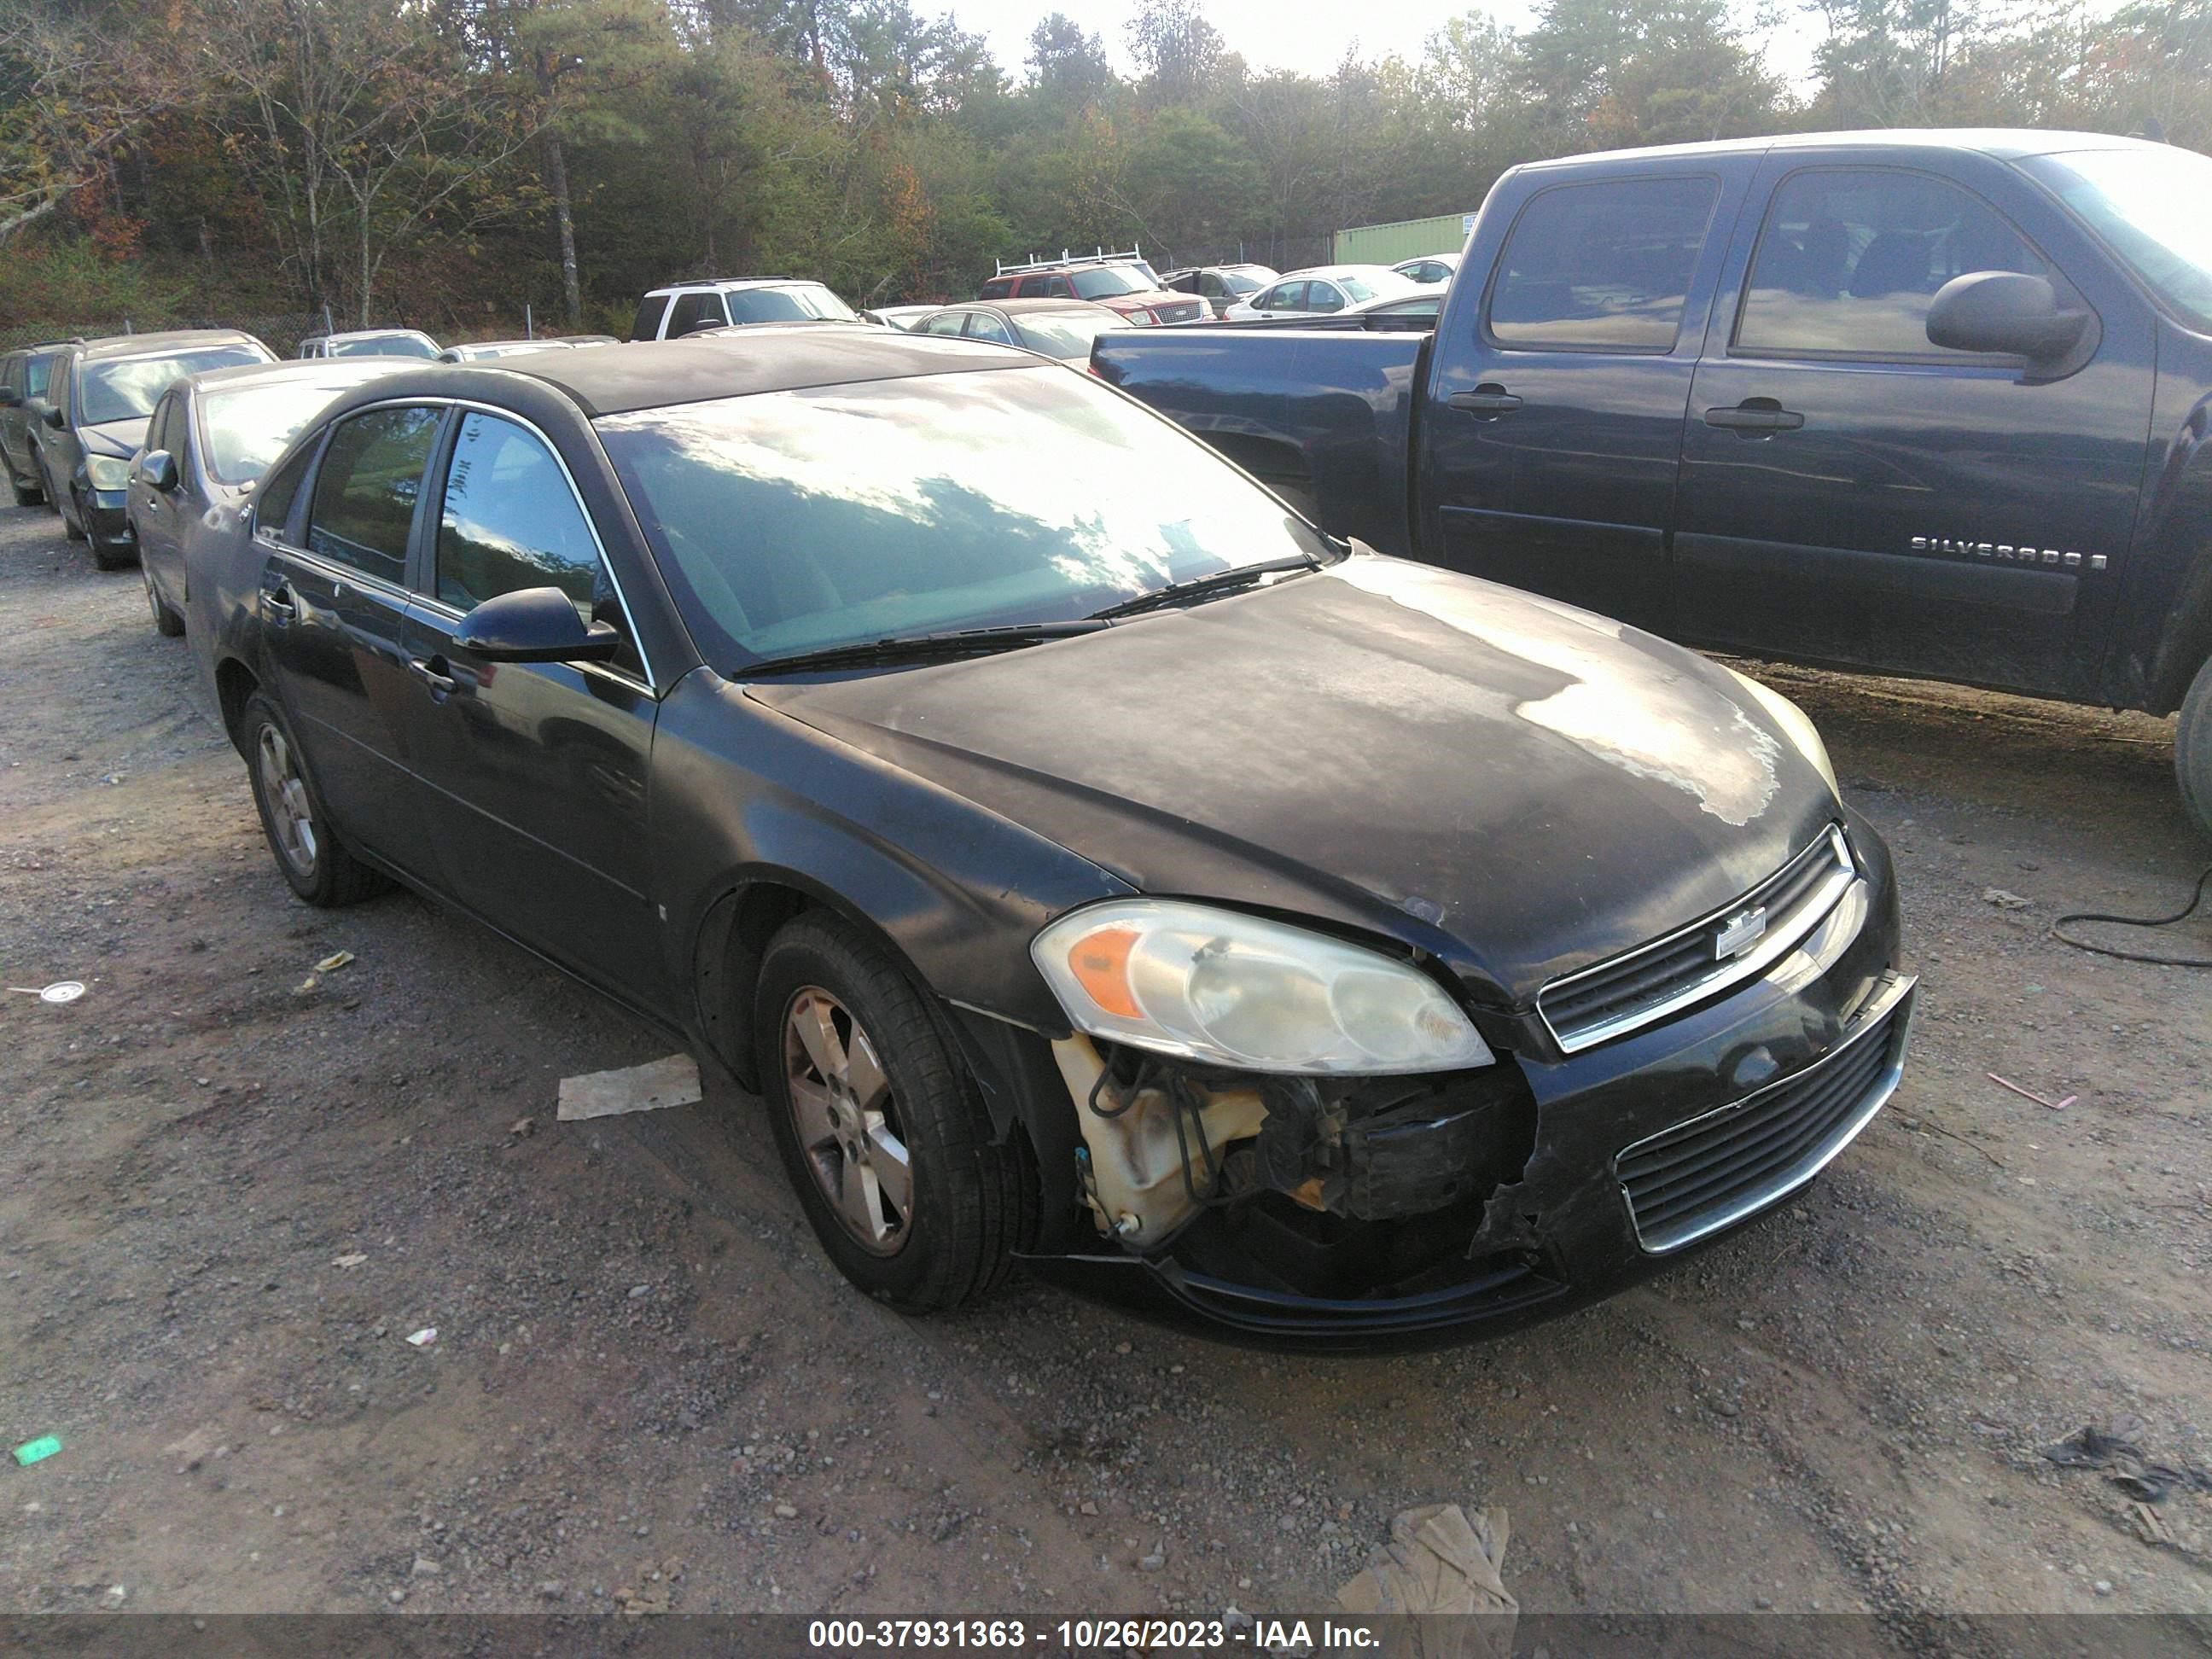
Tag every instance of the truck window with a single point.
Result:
(696, 310)
(1849, 259)
(1602, 266)
(650, 310)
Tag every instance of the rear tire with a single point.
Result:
(167, 622)
(314, 860)
(27, 494)
(2192, 750)
(881, 1128)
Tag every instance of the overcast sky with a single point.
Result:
(1297, 34)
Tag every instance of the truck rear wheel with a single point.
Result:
(2192, 748)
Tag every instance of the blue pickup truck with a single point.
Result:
(1932, 404)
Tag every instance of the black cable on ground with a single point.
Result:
(2058, 930)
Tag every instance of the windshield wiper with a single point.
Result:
(1220, 581)
(921, 648)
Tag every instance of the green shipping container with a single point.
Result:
(1408, 239)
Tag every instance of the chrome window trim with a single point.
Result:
(1773, 946)
(1894, 989)
(652, 684)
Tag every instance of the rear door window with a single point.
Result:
(650, 310)
(363, 510)
(982, 326)
(946, 322)
(1849, 259)
(1603, 266)
(36, 371)
(1285, 296)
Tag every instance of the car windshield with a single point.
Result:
(1063, 333)
(805, 302)
(796, 522)
(2138, 200)
(1104, 282)
(127, 389)
(385, 345)
(248, 428)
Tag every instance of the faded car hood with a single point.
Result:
(123, 438)
(1517, 786)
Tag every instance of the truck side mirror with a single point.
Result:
(2005, 312)
(54, 418)
(9, 398)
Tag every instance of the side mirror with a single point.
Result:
(9, 398)
(157, 470)
(534, 624)
(2003, 311)
(54, 418)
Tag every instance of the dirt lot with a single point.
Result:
(644, 1365)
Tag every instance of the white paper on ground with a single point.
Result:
(648, 1088)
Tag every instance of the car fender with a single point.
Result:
(757, 815)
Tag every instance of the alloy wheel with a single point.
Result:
(291, 816)
(848, 1121)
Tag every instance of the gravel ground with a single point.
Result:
(231, 1194)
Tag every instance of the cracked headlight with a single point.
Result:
(107, 471)
(1237, 991)
(1796, 726)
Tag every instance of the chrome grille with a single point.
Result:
(1181, 313)
(1647, 984)
(1700, 1176)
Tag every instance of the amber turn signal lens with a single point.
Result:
(1100, 962)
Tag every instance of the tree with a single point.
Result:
(1609, 73)
(1177, 51)
(360, 123)
(1068, 69)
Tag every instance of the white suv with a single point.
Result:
(681, 307)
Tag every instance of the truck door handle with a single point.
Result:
(279, 601)
(429, 673)
(1755, 414)
(1485, 399)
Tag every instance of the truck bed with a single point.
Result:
(1323, 414)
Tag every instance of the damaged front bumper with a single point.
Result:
(1472, 1204)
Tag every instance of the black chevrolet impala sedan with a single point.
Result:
(1091, 864)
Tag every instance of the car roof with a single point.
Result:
(293, 369)
(767, 357)
(152, 345)
(1029, 307)
(730, 284)
(2003, 143)
(35, 347)
(1337, 271)
(365, 334)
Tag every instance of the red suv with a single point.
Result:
(1122, 282)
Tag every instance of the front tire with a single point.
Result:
(314, 861)
(2192, 748)
(880, 1127)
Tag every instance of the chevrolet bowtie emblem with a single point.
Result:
(1739, 931)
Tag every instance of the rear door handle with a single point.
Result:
(1485, 400)
(1755, 414)
(430, 674)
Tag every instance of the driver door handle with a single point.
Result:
(1485, 400)
(278, 598)
(1755, 414)
(431, 674)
